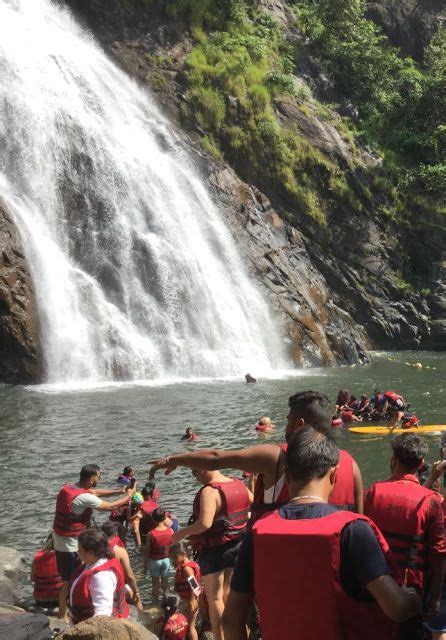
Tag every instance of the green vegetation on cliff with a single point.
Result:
(245, 65)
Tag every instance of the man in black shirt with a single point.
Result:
(364, 574)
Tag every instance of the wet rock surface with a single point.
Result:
(20, 353)
(339, 290)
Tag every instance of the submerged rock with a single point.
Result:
(20, 352)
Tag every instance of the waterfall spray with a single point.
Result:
(135, 274)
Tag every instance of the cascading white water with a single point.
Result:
(135, 274)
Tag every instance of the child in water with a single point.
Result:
(157, 552)
(186, 569)
(265, 425)
(173, 625)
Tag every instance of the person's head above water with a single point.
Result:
(264, 421)
(311, 458)
(189, 431)
(308, 408)
(409, 452)
(129, 472)
(148, 489)
(89, 476)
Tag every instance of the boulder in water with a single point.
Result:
(105, 628)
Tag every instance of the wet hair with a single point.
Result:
(95, 541)
(113, 528)
(315, 409)
(127, 471)
(87, 471)
(343, 396)
(170, 606)
(310, 454)
(188, 429)
(158, 515)
(265, 421)
(178, 548)
(409, 449)
(148, 489)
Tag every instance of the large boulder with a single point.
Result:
(20, 351)
(105, 628)
(13, 574)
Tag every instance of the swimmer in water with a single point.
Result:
(189, 436)
(249, 378)
(264, 425)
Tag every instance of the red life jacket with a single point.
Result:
(81, 604)
(305, 556)
(47, 581)
(400, 508)
(147, 523)
(115, 541)
(392, 397)
(407, 423)
(175, 628)
(148, 506)
(231, 522)
(66, 522)
(160, 543)
(343, 494)
(182, 587)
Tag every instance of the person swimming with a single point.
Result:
(189, 436)
(264, 425)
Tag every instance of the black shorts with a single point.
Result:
(216, 559)
(67, 563)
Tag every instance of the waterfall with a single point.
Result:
(135, 274)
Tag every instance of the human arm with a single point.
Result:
(135, 524)
(109, 506)
(259, 459)
(208, 508)
(359, 488)
(108, 492)
(436, 552)
(437, 470)
(122, 555)
(235, 615)
(398, 604)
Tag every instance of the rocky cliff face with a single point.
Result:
(409, 24)
(327, 281)
(20, 352)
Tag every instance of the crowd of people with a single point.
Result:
(294, 548)
(387, 406)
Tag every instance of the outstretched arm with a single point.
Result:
(259, 459)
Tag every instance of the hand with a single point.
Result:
(413, 592)
(438, 468)
(162, 463)
(177, 536)
(138, 604)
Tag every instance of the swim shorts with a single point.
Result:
(67, 563)
(159, 568)
(216, 559)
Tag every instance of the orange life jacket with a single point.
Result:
(231, 522)
(302, 558)
(47, 581)
(81, 604)
(399, 508)
(342, 496)
(182, 587)
(160, 542)
(66, 522)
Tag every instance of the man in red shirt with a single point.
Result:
(410, 517)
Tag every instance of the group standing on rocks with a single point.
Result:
(307, 554)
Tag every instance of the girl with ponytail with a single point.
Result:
(173, 624)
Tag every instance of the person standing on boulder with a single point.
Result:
(74, 506)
